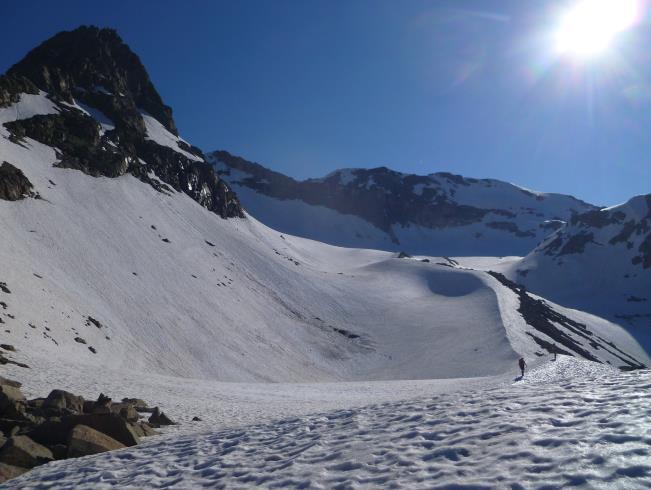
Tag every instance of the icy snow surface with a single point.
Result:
(566, 423)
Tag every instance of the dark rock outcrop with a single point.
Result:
(561, 329)
(23, 452)
(13, 183)
(617, 226)
(11, 87)
(64, 425)
(93, 59)
(7, 472)
(84, 440)
(59, 400)
(159, 418)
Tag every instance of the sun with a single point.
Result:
(588, 28)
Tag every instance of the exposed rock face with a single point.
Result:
(8, 472)
(84, 441)
(392, 201)
(90, 58)
(159, 418)
(9, 395)
(13, 183)
(60, 399)
(12, 87)
(600, 262)
(23, 452)
(94, 68)
(626, 228)
(542, 318)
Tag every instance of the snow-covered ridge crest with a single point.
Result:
(435, 214)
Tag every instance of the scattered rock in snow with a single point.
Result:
(64, 425)
(13, 183)
(6, 360)
(159, 418)
(90, 320)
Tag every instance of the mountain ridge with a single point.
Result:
(395, 203)
(599, 262)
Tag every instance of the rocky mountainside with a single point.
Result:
(436, 214)
(600, 262)
(106, 118)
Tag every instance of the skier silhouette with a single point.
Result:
(522, 365)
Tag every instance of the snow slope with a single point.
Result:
(568, 423)
(179, 291)
(158, 133)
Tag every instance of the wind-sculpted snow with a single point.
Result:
(567, 423)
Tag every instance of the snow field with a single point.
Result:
(567, 423)
(188, 301)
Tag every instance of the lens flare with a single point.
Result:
(588, 28)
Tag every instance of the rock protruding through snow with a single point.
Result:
(13, 183)
(64, 425)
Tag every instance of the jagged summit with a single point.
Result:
(85, 93)
(93, 60)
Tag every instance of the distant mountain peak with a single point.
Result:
(436, 214)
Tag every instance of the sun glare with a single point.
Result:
(588, 28)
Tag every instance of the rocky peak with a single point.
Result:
(109, 118)
(626, 229)
(94, 65)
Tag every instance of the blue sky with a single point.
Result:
(304, 87)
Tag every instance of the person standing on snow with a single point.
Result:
(522, 365)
